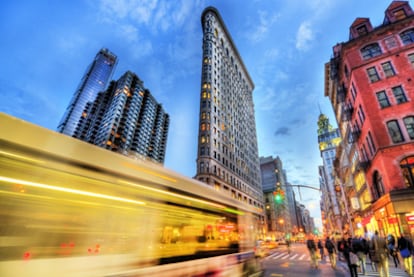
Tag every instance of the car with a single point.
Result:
(260, 249)
(271, 244)
(281, 242)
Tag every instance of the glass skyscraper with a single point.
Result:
(95, 79)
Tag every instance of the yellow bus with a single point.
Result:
(69, 208)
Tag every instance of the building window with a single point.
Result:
(371, 50)
(373, 74)
(362, 30)
(395, 131)
(364, 153)
(361, 115)
(407, 37)
(407, 168)
(383, 99)
(371, 145)
(409, 126)
(411, 58)
(399, 94)
(353, 91)
(400, 14)
(390, 42)
(388, 69)
(371, 142)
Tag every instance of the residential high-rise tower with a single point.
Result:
(127, 119)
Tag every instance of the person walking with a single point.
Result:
(380, 247)
(288, 246)
(352, 258)
(330, 247)
(392, 250)
(310, 244)
(359, 246)
(405, 245)
(344, 246)
(321, 252)
(371, 254)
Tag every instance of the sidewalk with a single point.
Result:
(394, 271)
(371, 269)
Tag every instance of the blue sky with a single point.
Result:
(47, 45)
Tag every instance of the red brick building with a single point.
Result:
(370, 82)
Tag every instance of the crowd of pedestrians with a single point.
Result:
(378, 250)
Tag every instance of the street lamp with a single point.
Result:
(282, 226)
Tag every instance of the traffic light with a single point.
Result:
(279, 196)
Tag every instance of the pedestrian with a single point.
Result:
(340, 247)
(310, 244)
(330, 247)
(392, 250)
(344, 246)
(360, 248)
(288, 245)
(380, 247)
(405, 245)
(351, 258)
(321, 252)
(371, 255)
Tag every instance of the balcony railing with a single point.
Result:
(354, 136)
(363, 165)
(334, 66)
(341, 93)
(347, 111)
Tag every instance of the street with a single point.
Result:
(281, 264)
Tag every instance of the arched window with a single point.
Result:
(409, 125)
(371, 50)
(407, 168)
(378, 186)
(395, 131)
(407, 37)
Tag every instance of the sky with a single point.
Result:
(47, 45)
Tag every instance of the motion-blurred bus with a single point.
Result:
(69, 208)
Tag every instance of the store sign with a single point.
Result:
(410, 218)
(355, 203)
(366, 220)
(392, 220)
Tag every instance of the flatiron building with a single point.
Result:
(227, 158)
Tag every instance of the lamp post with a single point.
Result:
(282, 226)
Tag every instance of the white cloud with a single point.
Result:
(157, 15)
(114, 8)
(304, 36)
(70, 43)
(272, 54)
(142, 10)
(265, 99)
(128, 32)
(262, 27)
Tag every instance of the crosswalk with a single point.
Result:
(394, 272)
(287, 256)
(370, 271)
